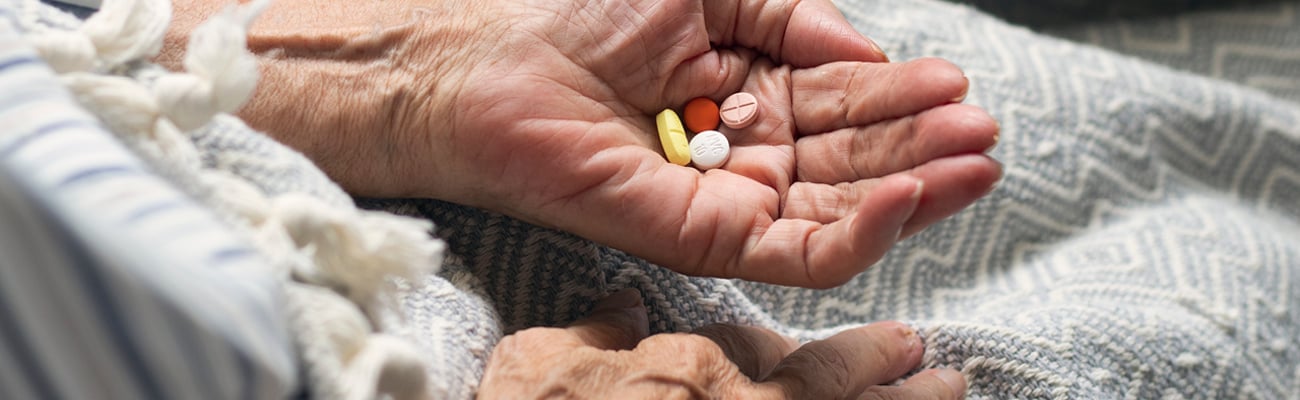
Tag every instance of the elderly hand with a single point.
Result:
(608, 356)
(544, 110)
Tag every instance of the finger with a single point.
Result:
(951, 184)
(714, 74)
(754, 350)
(845, 365)
(770, 85)
(876, 150)
(868, 234)
(764, 151)
(618, 322)
(811, 254)
(801, 33)
(931, 384)
(843, 95)
(825, 203)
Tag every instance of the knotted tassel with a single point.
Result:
(220, 73)
(356, 250)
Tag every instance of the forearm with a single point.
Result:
(340, 81)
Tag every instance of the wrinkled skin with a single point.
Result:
(543, 110)
(607, 356)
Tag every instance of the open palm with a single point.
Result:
(544, 111)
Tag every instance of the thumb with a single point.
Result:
(801, 33)
(618, 322)
(818, 33)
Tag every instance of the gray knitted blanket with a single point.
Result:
(1144, 243)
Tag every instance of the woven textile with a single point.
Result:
(1252, 42)
(114, 284)
(1145, 242)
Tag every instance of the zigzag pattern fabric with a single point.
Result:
(1255, 43)
(1145, 242)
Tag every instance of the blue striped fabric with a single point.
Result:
(114, 284)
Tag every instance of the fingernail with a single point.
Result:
(920, 189)
(953, 379)
(876, 46)
(626, 298)
(992, 188)
(913, 339)
(997, 134)
(964, 90)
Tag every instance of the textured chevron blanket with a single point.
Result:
(1144, 243)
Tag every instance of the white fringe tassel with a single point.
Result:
(354, 252)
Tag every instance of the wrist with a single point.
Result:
(360, 87)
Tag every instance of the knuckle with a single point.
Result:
(702, 346)
(534, 339)
(719, 332)
(816, 368)
(935, 390)
(860, 147)
(833, 363)
(534, 334)
(698, 352)
(875, 394)
(508, 344)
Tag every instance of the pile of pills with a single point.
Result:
(708, 148)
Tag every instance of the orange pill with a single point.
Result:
(701, 115)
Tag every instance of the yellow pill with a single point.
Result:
(673, 137)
